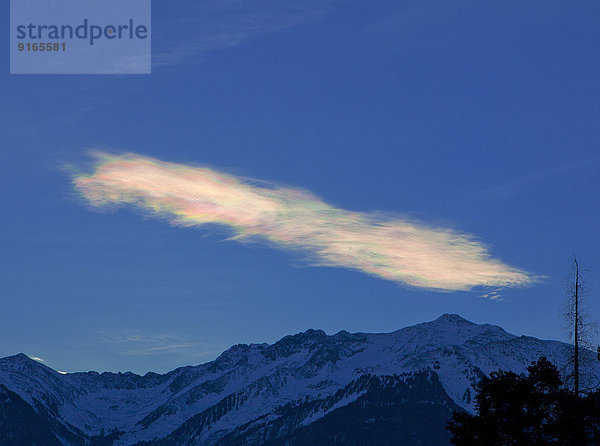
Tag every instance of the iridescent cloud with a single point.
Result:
(391, 248)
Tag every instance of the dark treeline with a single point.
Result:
(532, 409)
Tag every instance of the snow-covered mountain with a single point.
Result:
(296, 391)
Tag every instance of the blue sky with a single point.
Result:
(477, 117)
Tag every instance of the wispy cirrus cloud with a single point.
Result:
(390, 248)
(519, 184)
(217, 24)
(137, 343)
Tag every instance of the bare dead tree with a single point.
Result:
(579, 324)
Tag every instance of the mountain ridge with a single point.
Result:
(449, 317)
(247, 383)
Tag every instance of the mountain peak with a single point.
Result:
(24, 363)
(455, 319)
(20, 357)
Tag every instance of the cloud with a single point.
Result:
(136, 343)
(493, 295)
(517, 185)
(170, 347)
(387, 247)
(218, 24)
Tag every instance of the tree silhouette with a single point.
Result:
(528, 410)
(579, 327)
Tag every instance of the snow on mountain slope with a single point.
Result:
(250, 381)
